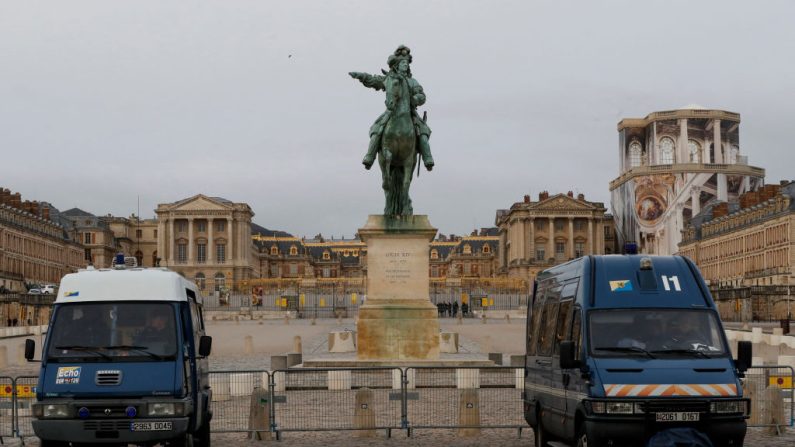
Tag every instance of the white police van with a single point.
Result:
(124, 361)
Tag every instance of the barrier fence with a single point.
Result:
(369, 399)
(6, 407)
(770, 389)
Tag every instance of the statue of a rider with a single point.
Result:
(398, 64)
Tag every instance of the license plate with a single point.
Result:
(151, 426)
(677, 416)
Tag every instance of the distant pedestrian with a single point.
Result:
(455, 309)
(464, 309)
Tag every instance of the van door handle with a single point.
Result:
(543, 362)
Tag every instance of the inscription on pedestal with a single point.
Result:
(398, 271)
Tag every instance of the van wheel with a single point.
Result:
(185, 440)
(582, 437)
(202, 437)
(48, 443)
(540, 433)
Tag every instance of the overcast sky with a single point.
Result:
(102, 102)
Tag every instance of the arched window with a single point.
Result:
(467, 249)
(667, 148)
(694, 151)
(434, 254)
(220, 281)
(635, 154)
(486, 248)
(293, 250)
(274, 250)
(326, 256)
(200, 281)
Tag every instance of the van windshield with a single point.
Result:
(115, 331)
(655, 333)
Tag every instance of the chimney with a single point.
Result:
(16, 200)
(5, 196)
(543, 195)
(581, 196)
(570, 194)
(720, 210)
(45, 213)
(526, 198)
(35, 207)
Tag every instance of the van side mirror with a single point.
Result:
(30, 349)
(744, 353)
(567, 357)
(205, 345)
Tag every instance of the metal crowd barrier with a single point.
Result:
(383, 398)
(231, 398)
(771, 391)
(465, 397)
(6, 408)
(337, 399)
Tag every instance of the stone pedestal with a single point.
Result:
(397, 320)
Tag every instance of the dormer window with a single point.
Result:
(326, 256)
(467, 249)
(486, 249)
(434, 254)
(274, 251)
(293, 251)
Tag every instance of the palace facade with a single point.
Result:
(34, 246)
(537, 235)
(749, 242)
(671, 165)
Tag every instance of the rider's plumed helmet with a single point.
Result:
(402, 53)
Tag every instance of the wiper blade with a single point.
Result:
(683, 351)
(91, 349)
(633, 349)
(142, 349)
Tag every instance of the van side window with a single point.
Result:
(535, 321)
(576, 333)
(196, 320)
(564, 324)
(549, 320)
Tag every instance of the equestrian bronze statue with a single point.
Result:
(399, 136)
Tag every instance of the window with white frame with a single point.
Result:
(220, 253)
(201, 226)
(635, 154)
(201, 252)
(667, 148)
(560, 248)
(220, 225)
(540, 252)
(579, 249)
(182, 252)
(694, 149)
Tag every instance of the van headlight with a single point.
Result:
(728, 406)
(55, 411)
(616, 407)
(158, 409)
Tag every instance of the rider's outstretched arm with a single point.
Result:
(368, 80)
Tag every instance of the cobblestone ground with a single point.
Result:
(757, 437)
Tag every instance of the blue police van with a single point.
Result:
(124, 361)
(621, 347)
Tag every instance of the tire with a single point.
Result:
(185, 440)
(48, 443)
(202, 436)
(540, 434)
(583, 440)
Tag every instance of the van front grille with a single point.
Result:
(108, 377)
(665, 406)
(106, 425)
